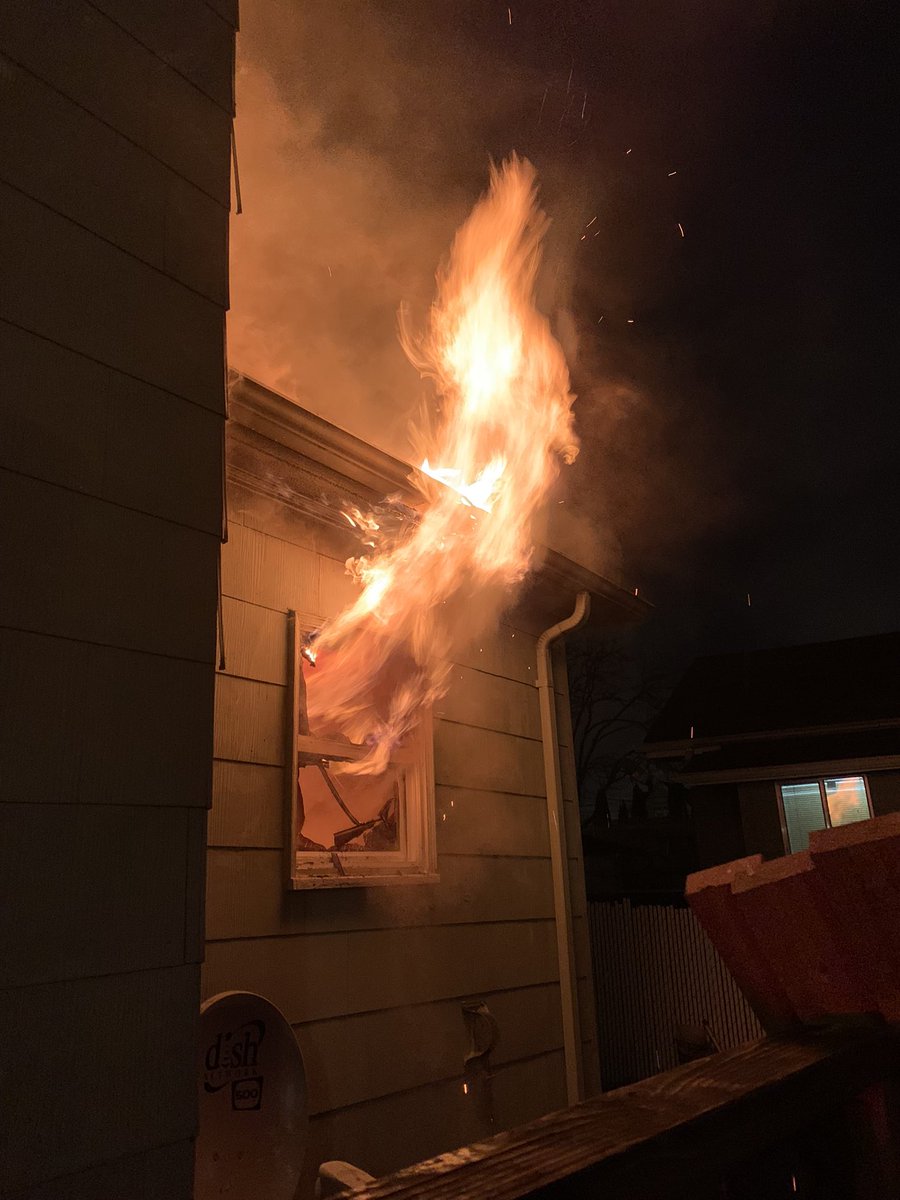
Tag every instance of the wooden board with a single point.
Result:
(70, 421)
(246, 897)
(120, 915)
(249, 721)
(106, 304)
(89, 172)
(362, 1057)
(70, 730)
(491, 702)
(106, 574)
(270, 572)
(470, 821)
(667, 1137)
(330, 975)
(465, 756)
(70, 45)
(247, 805)
(147, 1098)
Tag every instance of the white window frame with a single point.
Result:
(416, 859)
(820, 780)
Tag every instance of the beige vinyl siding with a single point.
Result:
(373, 979)
(113, 255)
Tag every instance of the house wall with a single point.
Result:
(114, 186)
(716, 817)
(372, 980)
(884, 792)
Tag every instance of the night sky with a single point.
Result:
(762, 454)
(736, 376)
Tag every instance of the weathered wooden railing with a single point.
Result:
(810, 1116)
(811, 1111)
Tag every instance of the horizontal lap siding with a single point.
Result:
(114, 182)
(373, 979)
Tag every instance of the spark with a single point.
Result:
(509, 14)
(571, 73)
(598, 322)
(692, 733)
(630, 321)
(680, 228)
(543, 102)
(583, 236)
(748, 600)
(330, 276)
(636, 590)
(628, 151)
(584, 106)
(670, 174)
(590, 222)
(465, 1089)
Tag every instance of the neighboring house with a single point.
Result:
(772, 744)
(374, 977)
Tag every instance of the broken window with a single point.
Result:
(349, 829)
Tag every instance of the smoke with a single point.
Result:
(364, 133)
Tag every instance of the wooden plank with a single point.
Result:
(709, 895)
(378, 1136)
(95, 176)
(246, 897)
(247, 805)
(345, 1058)
(329, 975)
(186, 34)
(163, 1171)
(666, 1137)
(73, 422)
(859, 866)
(256, 641)
(68, 285)
(72, 730)
(503, 650)
(478, 822)
(271, 572)
(123, 911)
(71, 45)
(482, 759)
(106, 574)
(786, 905)
(490, 702)
(89, 1094)
(249, 721)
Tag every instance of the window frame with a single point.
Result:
(820, 780)
(416, 860)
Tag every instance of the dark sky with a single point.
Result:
(739, 434)
(763, 454)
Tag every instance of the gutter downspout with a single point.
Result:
(565, 942)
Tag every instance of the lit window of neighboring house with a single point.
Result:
(819, 804)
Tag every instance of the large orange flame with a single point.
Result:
(504, 421)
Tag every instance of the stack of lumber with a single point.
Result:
(814, 935)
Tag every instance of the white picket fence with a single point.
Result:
(655, 968)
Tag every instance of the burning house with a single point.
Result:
(394, 841)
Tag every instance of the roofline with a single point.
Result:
(778, 771)
(281, 420)
(696, 745)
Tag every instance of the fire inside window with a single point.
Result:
(820, 804)
(354, 829)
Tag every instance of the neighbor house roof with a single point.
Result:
(797, 708)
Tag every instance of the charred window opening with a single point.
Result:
(349, 828)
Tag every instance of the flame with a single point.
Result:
(504, 422)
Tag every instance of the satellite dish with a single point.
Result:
(252, 1099)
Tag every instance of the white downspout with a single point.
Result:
(565, 942)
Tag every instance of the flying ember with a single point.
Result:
(490, 456)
